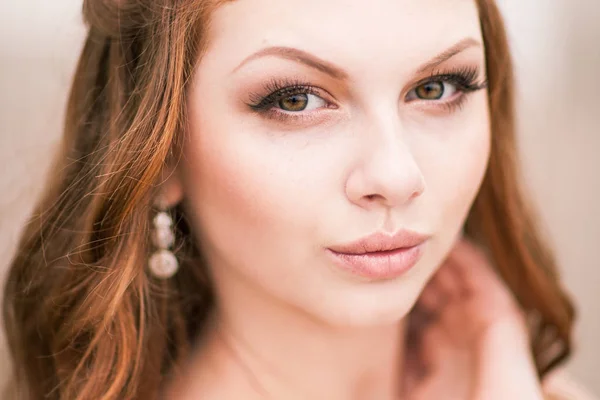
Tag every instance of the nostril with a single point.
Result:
(418, 192)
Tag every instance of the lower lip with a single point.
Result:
(379, 265)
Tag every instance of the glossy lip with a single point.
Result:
(380, 256)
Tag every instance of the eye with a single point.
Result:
(433, 90)
(288, 98)
(301, 102)
(448, 88)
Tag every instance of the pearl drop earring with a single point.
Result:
(163, 263)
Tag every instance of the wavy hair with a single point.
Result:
(84, 319)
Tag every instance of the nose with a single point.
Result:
(387, 174)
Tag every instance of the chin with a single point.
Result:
(353, 303)
(387, 304)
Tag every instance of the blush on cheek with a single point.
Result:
(223, 191)
(238, 202)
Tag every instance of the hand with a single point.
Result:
(467, 337)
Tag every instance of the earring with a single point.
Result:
(163, 263)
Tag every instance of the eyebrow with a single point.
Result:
(338, 73)
(449, 53)
(300, 56)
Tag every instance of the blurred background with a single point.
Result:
(556, 47)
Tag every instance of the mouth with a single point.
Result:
(380, 256)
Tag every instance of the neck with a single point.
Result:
(282, 353)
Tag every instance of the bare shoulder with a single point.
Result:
(562, 386)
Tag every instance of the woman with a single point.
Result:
(270, 200)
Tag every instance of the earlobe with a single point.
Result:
(170, 191)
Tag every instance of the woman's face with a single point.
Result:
(315, 124)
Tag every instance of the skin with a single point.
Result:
(468, 337)
(266, 196)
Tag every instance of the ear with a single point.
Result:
(170, 191)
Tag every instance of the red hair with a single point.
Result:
(83, 318)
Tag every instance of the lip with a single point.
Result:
(380, 256)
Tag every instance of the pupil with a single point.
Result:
(296, 102)
(431, 91)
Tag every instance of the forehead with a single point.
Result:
(347, 31)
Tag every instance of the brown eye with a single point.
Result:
(430, 91)
(294, 103)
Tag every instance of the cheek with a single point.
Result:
(229, 188)
(453, 158)
(249, 192)
(455, 165)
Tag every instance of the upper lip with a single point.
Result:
(381, 241)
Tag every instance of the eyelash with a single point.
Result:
(278, 90)
(465, 80)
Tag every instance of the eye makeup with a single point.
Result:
(270, 100)
(451, 88)
(293, 100)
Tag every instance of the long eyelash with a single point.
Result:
(465, 78)
(278, 89)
